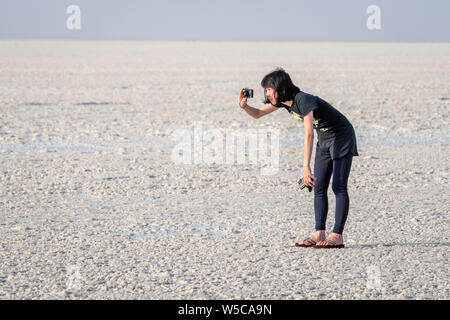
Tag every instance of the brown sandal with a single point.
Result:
(311, 242)
(330, 245)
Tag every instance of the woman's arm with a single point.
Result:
(258, 113)
(255, 113)
(309, 140)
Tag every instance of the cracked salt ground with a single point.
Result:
(192, 230)
(93, 206)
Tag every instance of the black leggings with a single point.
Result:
(340, 168)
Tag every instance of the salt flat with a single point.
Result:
(93, 206)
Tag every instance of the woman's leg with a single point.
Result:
(322, 172)
(323, 168)
(341, 172)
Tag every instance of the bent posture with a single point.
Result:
(335, 149)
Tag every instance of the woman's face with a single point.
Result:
(271, 94)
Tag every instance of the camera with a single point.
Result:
(302, 185)
(247, 93)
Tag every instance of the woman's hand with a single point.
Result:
(308, 177)
(242, 101)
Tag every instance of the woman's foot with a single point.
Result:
(310, 242)
(335, 240)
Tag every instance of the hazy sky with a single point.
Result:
(292, 20)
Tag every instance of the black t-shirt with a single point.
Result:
(336, 136)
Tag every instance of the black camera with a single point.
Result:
(247, 93)
(302, 185)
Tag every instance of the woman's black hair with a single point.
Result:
(281, 82)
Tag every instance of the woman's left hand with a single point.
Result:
(308, 178)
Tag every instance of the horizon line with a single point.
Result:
(194, 40)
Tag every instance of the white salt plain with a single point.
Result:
(93, 206)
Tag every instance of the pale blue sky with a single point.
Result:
(263, 20)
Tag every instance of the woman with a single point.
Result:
(335, 149)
